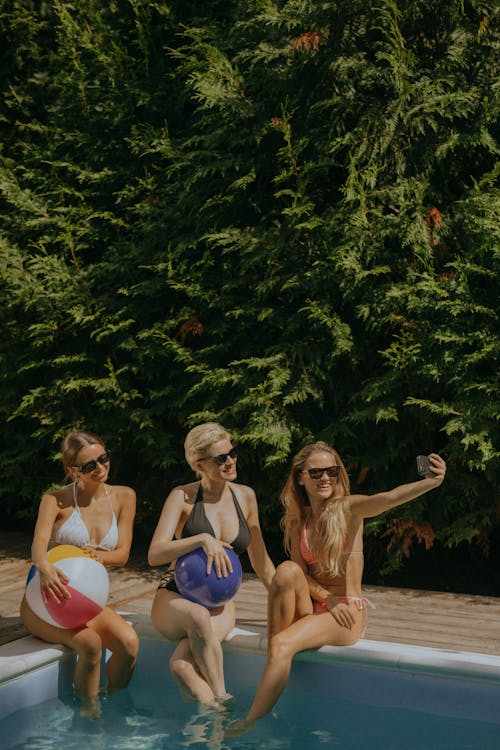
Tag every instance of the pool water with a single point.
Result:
(324, 704)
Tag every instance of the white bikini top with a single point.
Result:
(74, 531)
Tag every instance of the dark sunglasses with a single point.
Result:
(221, 459)
(330, 471)
(89, 466)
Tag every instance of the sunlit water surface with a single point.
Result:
(324, 705)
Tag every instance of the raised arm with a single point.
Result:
(368, 506)
(257, 552)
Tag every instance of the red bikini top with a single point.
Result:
(305, 550)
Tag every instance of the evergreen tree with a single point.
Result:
(280, 215)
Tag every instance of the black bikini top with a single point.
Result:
(198, 523)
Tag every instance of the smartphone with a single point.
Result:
(423, 467)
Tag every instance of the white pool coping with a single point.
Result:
(27, 654)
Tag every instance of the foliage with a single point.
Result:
(282, 215)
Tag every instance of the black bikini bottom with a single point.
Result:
(168, 582)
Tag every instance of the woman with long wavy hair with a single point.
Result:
(315, 598)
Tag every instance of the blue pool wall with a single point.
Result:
(32, 671)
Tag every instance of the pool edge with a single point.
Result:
(28, 654)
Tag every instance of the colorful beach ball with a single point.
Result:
(88, 586)
(194, 583)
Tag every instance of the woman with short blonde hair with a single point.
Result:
(213, 513)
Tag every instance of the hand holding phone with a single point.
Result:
(423, 467)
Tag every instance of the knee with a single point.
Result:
(89, 646)
(130, 643)
(287, 574)
(279, 649)
(201, 625)
(179, 668)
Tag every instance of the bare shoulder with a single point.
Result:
(183, 494)
(60, 498)
(356, 496)
(355, 500)
(358, 512)
(125, 494)
(243, 489)
(245, 495)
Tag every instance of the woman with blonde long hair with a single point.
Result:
(315, 598)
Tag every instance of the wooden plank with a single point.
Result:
(426, 618)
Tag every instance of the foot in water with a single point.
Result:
(90, 708)
(237, 728)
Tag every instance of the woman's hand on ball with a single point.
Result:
(217, 556)
(53, 582)
(91, 552)
(222, 563)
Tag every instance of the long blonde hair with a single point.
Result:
(332, 525)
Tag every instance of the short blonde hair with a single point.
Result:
(200, 438)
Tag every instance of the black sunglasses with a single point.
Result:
(89, 466)
(330, 471)
(221, 459)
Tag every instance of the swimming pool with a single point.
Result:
(371, 696)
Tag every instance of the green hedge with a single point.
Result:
(279, 215)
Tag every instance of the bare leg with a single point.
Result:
(311, 631)
(88, 646)
(192, 686)
(207, 651)
(288, 601)
(179, 619)
(289, 598)
(121, 639)
(292, 628)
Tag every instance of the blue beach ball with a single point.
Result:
(194, 583)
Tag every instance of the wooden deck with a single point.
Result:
(425, 618)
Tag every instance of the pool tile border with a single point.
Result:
(28, 654)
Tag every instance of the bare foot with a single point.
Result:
(238, 728)
(90, 707)
(219, 703)
(224, 698)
